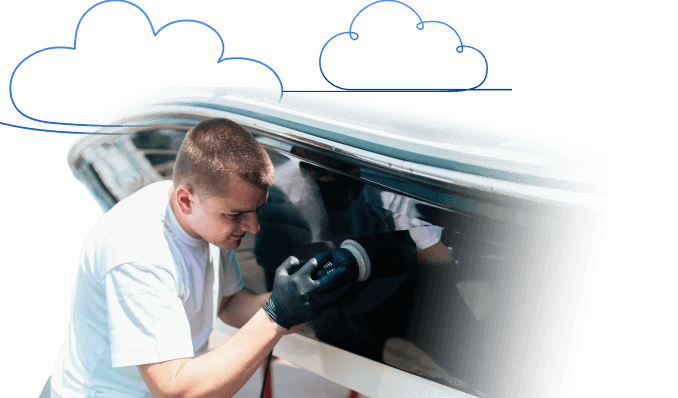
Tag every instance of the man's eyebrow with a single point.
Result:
(246, 211)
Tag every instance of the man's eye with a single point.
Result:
(234, 216)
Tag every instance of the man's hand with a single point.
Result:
(291, 301)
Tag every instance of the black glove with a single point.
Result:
(296, 296)
(333, 261)
(338, 258)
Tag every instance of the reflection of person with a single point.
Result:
(430, 249)
(313, 205)
(339, 193)
(311, 208)
(155, 273)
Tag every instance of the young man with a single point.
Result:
(159, 267)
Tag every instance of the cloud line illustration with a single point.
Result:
(220, 60)
(354, 36)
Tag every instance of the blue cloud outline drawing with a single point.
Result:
(420, 26)
(155, 33)
(353, 35)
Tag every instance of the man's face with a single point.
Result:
(224, 220)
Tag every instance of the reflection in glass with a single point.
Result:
(466, 291)
(313, 209)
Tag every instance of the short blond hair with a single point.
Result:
(216, 150)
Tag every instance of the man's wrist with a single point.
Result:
(269, 320)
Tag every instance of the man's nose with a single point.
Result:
(250, 222)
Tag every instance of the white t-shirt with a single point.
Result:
(422, 233)
(145, 292)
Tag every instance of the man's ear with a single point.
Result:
(185, 199)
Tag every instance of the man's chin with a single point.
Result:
(232, 245)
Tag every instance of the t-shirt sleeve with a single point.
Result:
(147, 321)
(426, 236)
(232, 282)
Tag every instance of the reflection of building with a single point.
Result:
(122, 168)
(125, 163)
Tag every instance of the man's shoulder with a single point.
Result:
(132, 231)
(146, 204)
(149, 195)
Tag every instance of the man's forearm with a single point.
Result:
(222, 371)
(240, 308)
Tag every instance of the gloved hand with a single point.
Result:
(296, 296)
(333, 260)
(330, 262)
